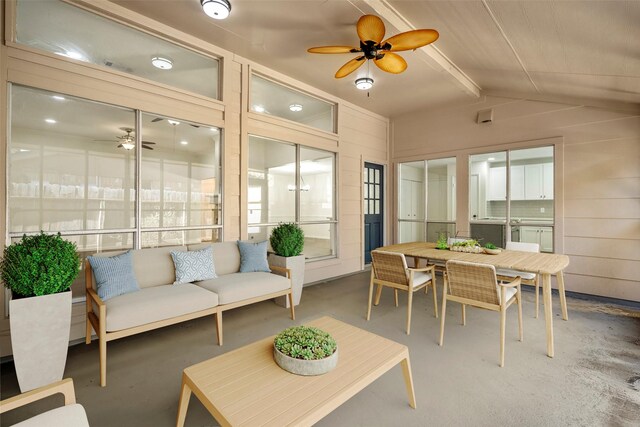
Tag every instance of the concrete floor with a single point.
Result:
(593, 380)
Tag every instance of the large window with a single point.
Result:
(426, 200)
(66, 30)
(72, 168)
(292, 183)
(511, 196)
(269, 97)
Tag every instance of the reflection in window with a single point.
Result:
(275, 99)
(488, 187)
(91, 38)
(273, 193)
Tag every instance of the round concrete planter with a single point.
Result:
(305, 367)
(40, 338)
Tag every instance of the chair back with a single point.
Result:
(523, 246)
(473, 281)
(390, 267)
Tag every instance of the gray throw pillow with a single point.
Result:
(253, 257)
(114, 275)
(193, 266)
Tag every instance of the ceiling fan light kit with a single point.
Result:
(371, 32)
(162, 63)
(364, 83)
(216, 9)
(128, 145)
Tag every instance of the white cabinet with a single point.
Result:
(517, 182)
(538, 181)
(411, 200)
(497, 186)
(540, 235)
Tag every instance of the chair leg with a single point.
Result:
(409, 303)
(519, 301)
(395, 295)
(464, 314)
(435, 297)
(503, 321)
(370, 297)
(378, 294)
(444, 311)
(537, 294)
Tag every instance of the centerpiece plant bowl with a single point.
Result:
(305, 350)
(469, 246)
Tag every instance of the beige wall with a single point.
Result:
(597, 182)
(362, 135)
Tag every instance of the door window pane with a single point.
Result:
(488, 187)
(66, 30)
(181, 170)
(66, 171)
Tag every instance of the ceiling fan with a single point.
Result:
(371, 32)
(128, 141)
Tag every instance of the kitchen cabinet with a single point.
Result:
(517, 182)
(538, 181)
(497, 186)
(411, 200)
(540, 235)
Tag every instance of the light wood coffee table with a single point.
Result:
(246, 387)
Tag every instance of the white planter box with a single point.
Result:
(296, 265)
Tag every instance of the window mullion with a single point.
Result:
(298, 185)
(137, 242)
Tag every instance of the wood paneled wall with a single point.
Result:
(600, 147)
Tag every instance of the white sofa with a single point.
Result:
(159, 303)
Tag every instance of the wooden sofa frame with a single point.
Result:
(98, 322)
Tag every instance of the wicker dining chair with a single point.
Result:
(390, 269)
(476, 284)
(533, 279)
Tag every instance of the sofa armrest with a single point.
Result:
(91, 293)
(65, 387)
(284, 271)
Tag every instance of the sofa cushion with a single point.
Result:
(114, 275)
(154, 266)
(240, 286)
(253, 257)
(157, 303)
(193, 265)
(65, 416)
(226, 256)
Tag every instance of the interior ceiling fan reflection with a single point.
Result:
(128, 141)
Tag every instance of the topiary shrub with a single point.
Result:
(41, 264)
(305, 342)
(287, 239)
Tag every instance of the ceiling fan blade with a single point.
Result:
(148, 142)
(410, 40)
(370, 27)
(195, 126)
(333, 49)
(391, 63)
(148, 148)
(157, 119)
(119, 146)
(350, 67)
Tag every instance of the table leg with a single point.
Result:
(563, 297)
(408, 381)
(185, 394)
(548, 311)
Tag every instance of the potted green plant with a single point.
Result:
(443, 242)
(491, 249)
(287, 242)
(305, 350)
(39, 271)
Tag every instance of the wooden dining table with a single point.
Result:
(544, 264)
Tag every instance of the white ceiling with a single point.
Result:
(585, 49)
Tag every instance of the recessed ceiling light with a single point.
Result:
(491, 159)
(258, 108)
(173, 122)
(216, 9)
(295, 107)
(216, 130)
(58, 97)
(23, 150)
(184, 142)
(50, 121)
(364, 83)
(162, 62)
(71, 54)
